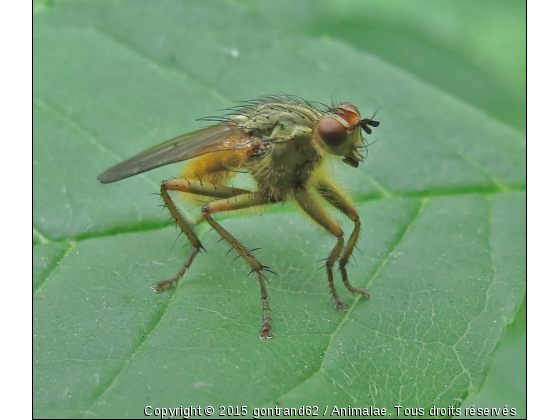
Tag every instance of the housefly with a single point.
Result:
(284, 143)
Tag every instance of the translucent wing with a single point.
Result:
(219, 137)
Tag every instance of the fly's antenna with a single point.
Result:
(365, 123)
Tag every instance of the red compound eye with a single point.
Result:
(331, 131)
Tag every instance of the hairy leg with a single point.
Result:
(227, 199)
(242, 202)
(310, 205)
(193, 187)
(337, 199)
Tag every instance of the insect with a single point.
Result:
(285, 144)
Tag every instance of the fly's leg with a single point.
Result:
(335, 198)
(318, 213)
(242, 202)
(194, 187)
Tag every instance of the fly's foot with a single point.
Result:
(165, 284)
(266, 331)
(340, 306)
(361, 291)
(162, 285)
(351, 288)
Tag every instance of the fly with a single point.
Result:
(284, 143)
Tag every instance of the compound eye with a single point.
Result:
(331, 131)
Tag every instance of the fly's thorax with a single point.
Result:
(278, 121)
(287, 165)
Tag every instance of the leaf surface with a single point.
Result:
(441, 198)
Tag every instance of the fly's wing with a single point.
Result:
(212, 139)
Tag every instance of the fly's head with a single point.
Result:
(340, 132)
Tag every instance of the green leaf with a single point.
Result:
(441, 198)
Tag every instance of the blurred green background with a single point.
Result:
(474, 50)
